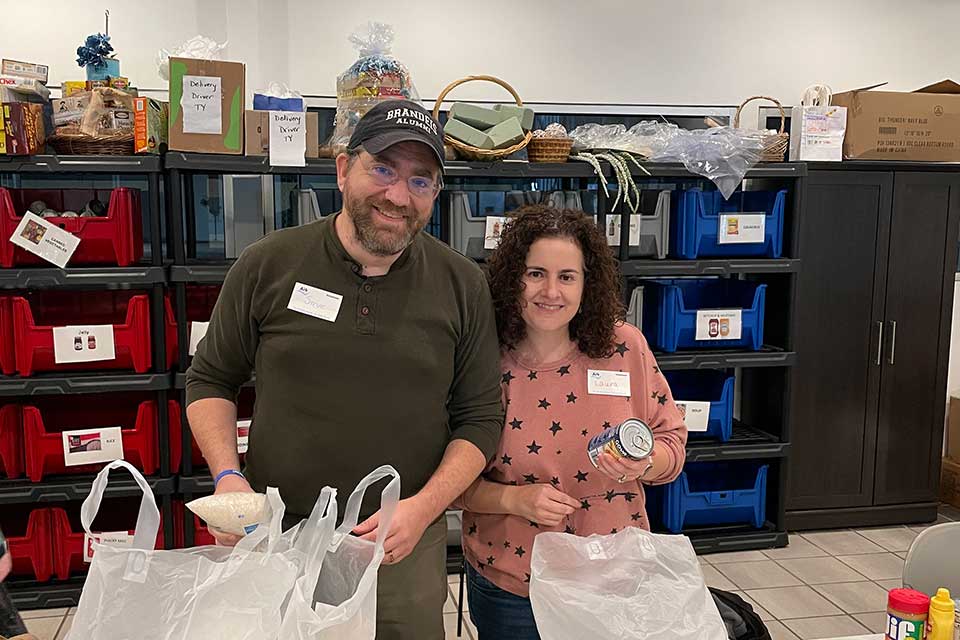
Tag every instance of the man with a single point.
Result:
(372, 343)
(10, 622)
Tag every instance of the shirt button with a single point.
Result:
(356, 268)
(368, 288)
(365, 311)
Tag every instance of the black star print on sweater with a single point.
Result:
(534, 448)
(507, 377)
(544, 404)
(564, 370)
(516, 424)
(532, 375)
(571, 398)
(555, 427)
(622, 349)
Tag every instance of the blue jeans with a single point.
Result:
(498, 614)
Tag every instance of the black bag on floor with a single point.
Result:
(741, 621)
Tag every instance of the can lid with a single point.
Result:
(908, 601)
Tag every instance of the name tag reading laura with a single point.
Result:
(315, 302)
(608, 383)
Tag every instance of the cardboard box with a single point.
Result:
(953, 429)
(257, 133)
(950, 482)
(149, 125)
(888, 125)
(23, 128)
(228, 136)
(30, 70)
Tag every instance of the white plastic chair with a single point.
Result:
(934, 560)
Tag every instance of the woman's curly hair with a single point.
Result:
(602, 305)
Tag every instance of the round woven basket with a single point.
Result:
(775, 146)
(80, 144)
(549, 149)
(475, 153)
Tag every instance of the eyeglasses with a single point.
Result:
(386, 176)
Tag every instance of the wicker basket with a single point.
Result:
(774, 146)
(80, 144)
(470, 152)
(549, 149)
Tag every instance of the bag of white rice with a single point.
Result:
(238, 513)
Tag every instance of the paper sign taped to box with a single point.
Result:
(696, 414)
(201, 103)
(719, 324)
(83, 343)
(491, 236)
(742, 228)
(92, 446)
(44, 239)
(109, 538)
(288, 138)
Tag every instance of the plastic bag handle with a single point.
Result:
(316, 542)
(148, 519)
(272, 532)
(389, 499)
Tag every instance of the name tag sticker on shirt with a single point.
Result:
(608, 383)
(315, 302)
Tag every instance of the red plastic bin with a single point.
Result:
(128, 312)
(200, 303)
(8, 361)
(31, 548)
(245, 402)
(201, 535)
(11, 441)
(68, 536)
(114, 239)
(44, 422)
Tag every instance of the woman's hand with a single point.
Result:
(540, 503)
(624, 470)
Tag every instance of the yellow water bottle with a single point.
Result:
(941, 616)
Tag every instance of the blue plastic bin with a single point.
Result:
(715, 387)
(695, 223)
(716, 493)
(670, 311)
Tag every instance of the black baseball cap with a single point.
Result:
(394, 121)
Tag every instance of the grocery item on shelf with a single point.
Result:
(207, 101)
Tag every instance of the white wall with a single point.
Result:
(641, 52)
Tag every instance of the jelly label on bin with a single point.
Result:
(243, 434)
(197, 332)
(696, 415)
(111, 538)
(42, 238)
(491, 235)
(92, 446)
(83, 343)
(742, 228)
(900, 629)
(719, 324)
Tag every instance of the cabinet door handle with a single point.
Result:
(893, 340)
(879, 359)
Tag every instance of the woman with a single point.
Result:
(557, 297)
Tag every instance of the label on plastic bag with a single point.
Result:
(110, 538)
(83, 343)
(719, 324)
(696, 414)
(44, 239)
(138, 565)
(613, 230)
(742, 228)
(491, 237)
(92, 446)
(595, 550)
(197, 332)
(243, 435)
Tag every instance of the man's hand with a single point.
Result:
(540, 503)
(6, 565)
(229, 484)
(409, 522)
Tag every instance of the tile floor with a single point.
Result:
(825, 584)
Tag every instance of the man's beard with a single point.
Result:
(378, 240)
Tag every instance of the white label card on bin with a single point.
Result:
(44, 239)
(92, 446)
(243, 435)
(742, 228)
(719, 324)
(608, 383)
(288, 139)
(613, 230)
(111, 538)
(83, 343)
(696, 414)
(197, 331)
(315, 302)
(201, 104)
(491, 236)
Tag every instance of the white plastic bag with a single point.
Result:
(198, 47)
(337, 596)
(633, 584)
(190, 594)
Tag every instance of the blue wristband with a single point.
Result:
(228, 472)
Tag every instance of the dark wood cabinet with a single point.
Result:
(874, 299)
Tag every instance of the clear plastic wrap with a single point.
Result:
(197, 47)
(374, 77)
(633, 584)
(722, 154)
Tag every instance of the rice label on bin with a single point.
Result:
(243, 434)
(197, 332)
(742, 228)
(110, 538)
(92, 446)
(696, 414)
(719, 324)
(83, 343)
(491, 236)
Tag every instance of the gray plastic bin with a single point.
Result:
(654, 222)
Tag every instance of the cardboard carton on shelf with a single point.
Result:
(922, 125)
(199, 89)
(257, 134)
(23, 131)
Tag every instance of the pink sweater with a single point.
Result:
(550, 419)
